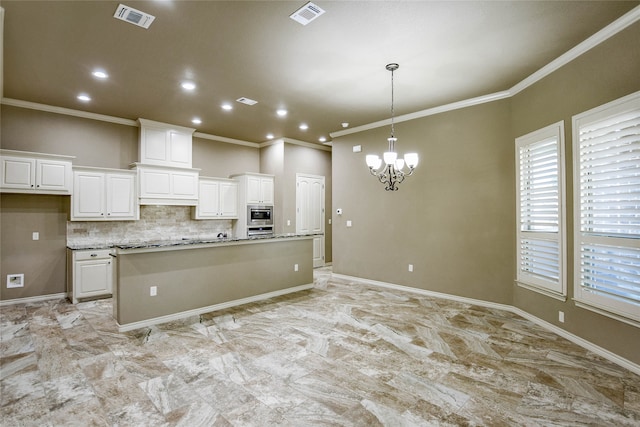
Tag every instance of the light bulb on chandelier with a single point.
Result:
(392, 173)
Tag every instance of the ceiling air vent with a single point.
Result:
(133, 16)
(307, 13)
(247, 101)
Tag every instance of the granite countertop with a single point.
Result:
(182, 242)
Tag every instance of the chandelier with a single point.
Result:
(392, 173)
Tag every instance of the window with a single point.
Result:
(540, 211)
(606, 146)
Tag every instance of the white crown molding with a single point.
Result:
(68, 112)
(294, 142)
(424, 113)
(618, 360)
(120, 121)
(607, 32)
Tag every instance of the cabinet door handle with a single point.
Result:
(94, 255)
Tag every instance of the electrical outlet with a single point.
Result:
(288, 223)
(153, 291)
(295, 267)
(561, 316)
(411, 267)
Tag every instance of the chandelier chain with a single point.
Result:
(392, 112)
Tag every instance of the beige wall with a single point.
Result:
(285, 160)
(299, 159)
(43, 261)
(604, 74)
(220, 159)
(453, 219)
(94, 143)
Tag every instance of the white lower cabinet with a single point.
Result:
(217, 199)
(89, 273)
(103, 195)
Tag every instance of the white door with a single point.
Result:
(52, 175)
(88, 195)
(229, 199)
(121, 196)
(209, 199)
(93, 277)
(18, 172)
(266, 191)
(310, 212)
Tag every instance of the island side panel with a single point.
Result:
(189, 279)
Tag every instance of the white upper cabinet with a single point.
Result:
(259, 189)
(24, 172)
(167, 186)
(163, 144)
(104, 195)
(217, 199)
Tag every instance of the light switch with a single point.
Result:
(348, 223)
(35, 235)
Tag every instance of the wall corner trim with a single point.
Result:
(600, 351)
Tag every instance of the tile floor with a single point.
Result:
(341, 354)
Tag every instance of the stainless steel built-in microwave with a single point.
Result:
(259, 215)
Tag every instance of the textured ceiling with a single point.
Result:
(328, 72)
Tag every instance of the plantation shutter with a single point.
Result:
(608, 208)
(539, 209)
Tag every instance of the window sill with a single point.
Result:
(542, 291)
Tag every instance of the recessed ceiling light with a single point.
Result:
(322, 139)
(196, 121)
(188, 85)
(269, 136)
(227, 107)
(84, 97)
(100, 74)
(281, 112)
(303, 126)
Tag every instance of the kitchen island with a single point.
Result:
(164, 281)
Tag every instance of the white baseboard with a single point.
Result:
(28, 300)
(600, 351)
(207, 309)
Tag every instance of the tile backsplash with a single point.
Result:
(156, 223)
